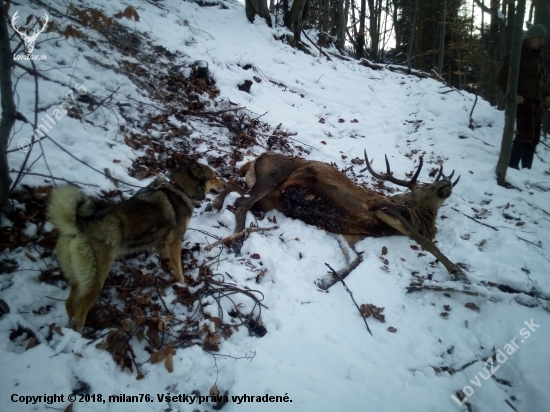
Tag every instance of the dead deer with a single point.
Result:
(319, 194)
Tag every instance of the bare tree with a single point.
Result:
(511, 95)
(442, 37)
(361, 34)
(295, 19)
(257, 7)
(8, 105)
(374, 34)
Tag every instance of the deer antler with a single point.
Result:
(388, 176)
(17, 28)
(37, 32)
(446, 177)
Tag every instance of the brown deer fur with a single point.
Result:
(319, 194)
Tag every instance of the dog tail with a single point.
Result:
(67, 203)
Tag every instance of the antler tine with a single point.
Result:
(15, 16)
(420, 163)
(456, 181)
(372, 172)
(440, 172)
(390, 177)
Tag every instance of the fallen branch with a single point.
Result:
(475, 220)
(351, 294)
(339, 56)
(234, 236)
(318, 48)
(439, 289)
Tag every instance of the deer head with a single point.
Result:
(422, 196)
(29, 39)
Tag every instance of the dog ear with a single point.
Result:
(195, 169)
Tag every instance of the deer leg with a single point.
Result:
(230, 187)
(395, 220)
(330, 279)
(244, 204)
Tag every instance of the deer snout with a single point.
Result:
(444, 188)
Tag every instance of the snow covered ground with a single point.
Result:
(317, 350)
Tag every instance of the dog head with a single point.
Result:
(196, 179)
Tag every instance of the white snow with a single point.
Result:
(317, 349)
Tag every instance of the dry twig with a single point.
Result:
(234, 236)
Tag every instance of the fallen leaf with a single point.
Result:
(323, 142)
(156, 357)
(255, 256)
(169, 362)
(471, 305)
(414, 247)
(214, 391)
(32, 343)
(140, 335)
(384, 250)
(392, 329)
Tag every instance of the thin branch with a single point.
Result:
(318, 48)
(56, 178)
(234, 236)
(351, 294)
(475, 220)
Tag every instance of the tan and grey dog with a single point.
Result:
(92, 235)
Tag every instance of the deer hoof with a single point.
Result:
(236, 247)
(457, 275)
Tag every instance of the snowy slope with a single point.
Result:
(317, 349)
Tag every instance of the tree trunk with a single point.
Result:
(493, 53)
(341, 42)
(361, 34)
(542, 13)
(542, 16)
(8, 106)
(296, 17)
(325, 23)
(511, 95)
(373, 30)
(257, 7)
(418, 34)
(411, 40)
(442, 37)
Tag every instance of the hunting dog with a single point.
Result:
(92, 234)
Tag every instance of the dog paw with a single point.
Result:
(76, 325)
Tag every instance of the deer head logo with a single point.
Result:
(29, 39)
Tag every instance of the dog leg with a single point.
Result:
(71, 304)
(173, 251)
(91, 288)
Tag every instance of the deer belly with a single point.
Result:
(300, 203)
